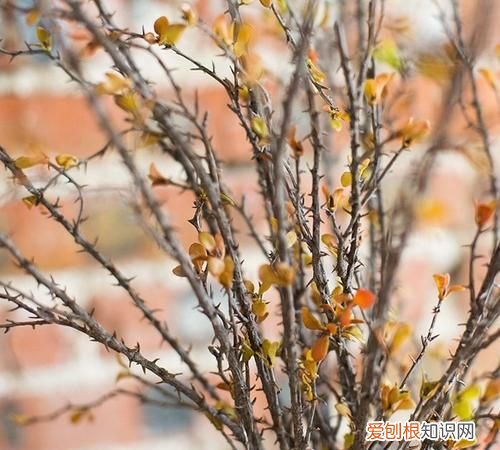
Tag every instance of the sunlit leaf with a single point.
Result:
(189, 14)
(310, 321)
(25, 162)
(414, 131)
(222, 29)
(30, 201)
(442, 281)
(259, 127)
(66, 161)
(259, 308)
(207, 241)
(113, 84)
(226, 277)
(343, 409)
(44, 38)
(242, 40)
(215, 266)
(346, 179)
(168, 34)
(316, 74)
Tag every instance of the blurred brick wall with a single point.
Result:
(44, 369)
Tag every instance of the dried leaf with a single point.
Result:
(157, 179)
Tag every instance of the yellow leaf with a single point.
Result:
(160, 25)
(215, 266)
(403, 332)
(281, 274)
(168, 34)
(242, 40)
(128, 102)
(188, 14)
(470, 393)
(270, 351)
(428, 388)
(464, 443)
(198, 255)
(259, 127)
(226, 277)
(266, 3)
(489, 76)
(387, 52)
(291, 238)
(78, 414)
(370, 91)
(246, 350)
(316, 74)
(66, 161)
(25, 162)
(434, 66)
(346, 179)
(147, 139)
(222, 29)
(259, 308)
(207, 240)
(343, 409)
(375, 89)
(463, 409)
(44, 38)
(414, 131)
(310, 321)
(113, 84)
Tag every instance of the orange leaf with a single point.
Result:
(320, 348)
(484, 212)
(364, 298)
(442, 281)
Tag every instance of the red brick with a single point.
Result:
(57, 124)
(45, 346)
(116, 421)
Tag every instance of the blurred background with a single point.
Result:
(45, 369)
